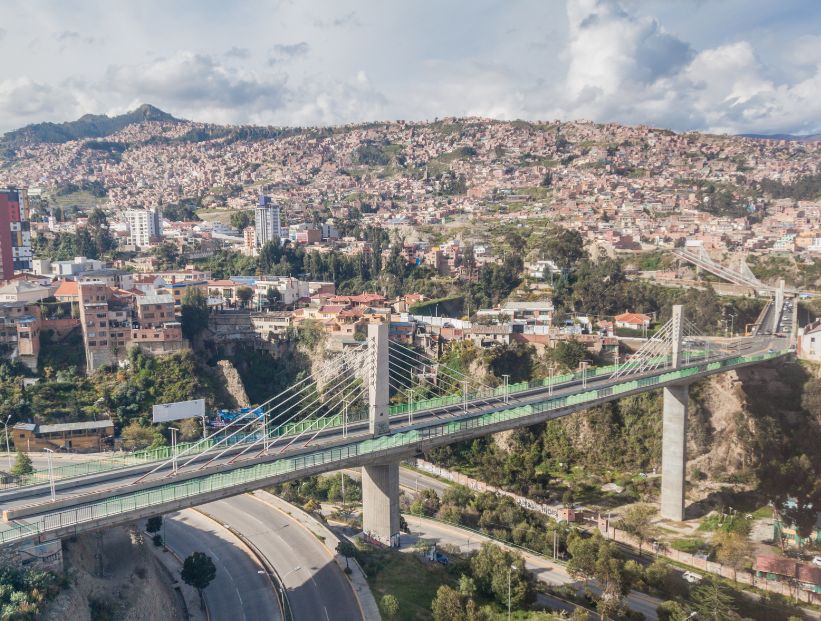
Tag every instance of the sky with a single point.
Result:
(726, 66)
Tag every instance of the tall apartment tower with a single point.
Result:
(267, 221)
(15, 232)
(144, 225)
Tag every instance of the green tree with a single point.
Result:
(198, 571)
(638, 521)
(389, 606)
(245, 295)
(346, 549)
(241, 219)
(426, 503)
(135, 437)
(273, 297)
(569, 354)
(492, 566)
(467, 587)
(194, 312)
(447, 605)
(733, 549)
(713, 602)
(153, 524)
(22, 465)
(565, 247)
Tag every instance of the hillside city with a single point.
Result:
(169, 286)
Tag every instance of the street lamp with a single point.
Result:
(51, 475)
(507, 385)
(8, 450)
(510, 571)
(174, 431)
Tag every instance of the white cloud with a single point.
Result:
(24, 101)
(622, 67)
(189, 83)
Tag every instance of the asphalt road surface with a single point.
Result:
(238, 592)
(317, 588)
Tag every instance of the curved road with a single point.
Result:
(317, 588)
(238, 592)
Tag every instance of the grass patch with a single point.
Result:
(407, 577)
(691, 545)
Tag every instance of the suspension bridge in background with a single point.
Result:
(371, 407)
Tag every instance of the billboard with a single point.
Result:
(165, 412)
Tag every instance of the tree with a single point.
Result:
(467, 587)
(136, 437)
(153, 524)
(569, 354)
(194, 312)
(427, 503)
(447, 605)
(346, 549)
(637, 521)
(491, 567)
(198, 571)
(245, 295)
(22, 465)
(389, 605)
(190, 429)
(273, 297)
(564, 247)
(241, 219)
(733, 549)
(712, 601)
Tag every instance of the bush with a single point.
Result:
(157, 540)
(389, 605)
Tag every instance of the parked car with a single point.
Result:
(816, 560)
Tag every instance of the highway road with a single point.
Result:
(119, 481)
(553, 574)
(317, 588)
(238, 592)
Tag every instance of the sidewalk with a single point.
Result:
(359, 584)
(173, 564)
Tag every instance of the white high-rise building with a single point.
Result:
(267, 221)
(143, 225)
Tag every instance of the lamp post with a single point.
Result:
(8, 450)
(174, 431)
(507, 385)
(51, 475)
(550, 370)
(510, 571)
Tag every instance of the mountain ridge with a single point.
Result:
(87, 126)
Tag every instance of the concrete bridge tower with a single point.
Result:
(380, 481)
(674, 433)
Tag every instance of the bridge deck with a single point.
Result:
(434, 427)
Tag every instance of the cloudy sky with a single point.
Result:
(719, 65)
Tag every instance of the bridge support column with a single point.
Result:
(674, 452)
(380, 503)
(779, 305)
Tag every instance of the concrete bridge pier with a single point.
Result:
(674, 452)
(380, 482)
(380, 502)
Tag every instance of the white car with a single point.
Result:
(816, 560)
(691, 577)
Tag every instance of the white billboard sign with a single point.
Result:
(165, 412)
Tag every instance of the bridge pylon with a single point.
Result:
(380, 481)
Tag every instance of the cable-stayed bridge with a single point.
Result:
(371, 406)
